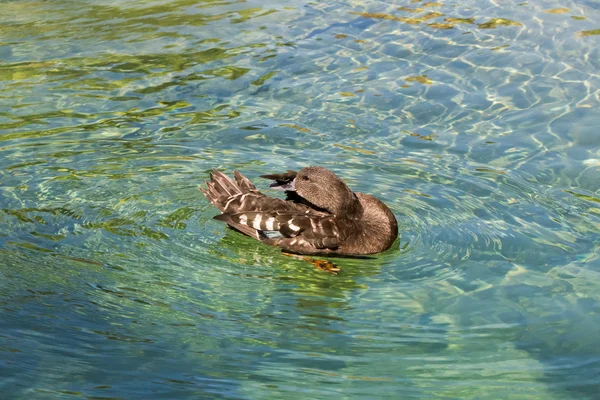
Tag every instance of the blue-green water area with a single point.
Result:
(477, 122)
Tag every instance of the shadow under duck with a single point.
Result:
(319, 216)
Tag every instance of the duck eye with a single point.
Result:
(305, 178)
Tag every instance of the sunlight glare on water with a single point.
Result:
(475, 121)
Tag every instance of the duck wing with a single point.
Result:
(220, 189)
(240, 197)
(234, 197)
(306, 233)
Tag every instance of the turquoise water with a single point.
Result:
(475, 121)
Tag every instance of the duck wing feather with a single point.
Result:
(292, 231)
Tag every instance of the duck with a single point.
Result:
(320, 215)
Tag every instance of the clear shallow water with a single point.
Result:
(476, 122)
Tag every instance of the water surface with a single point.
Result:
(475, 121)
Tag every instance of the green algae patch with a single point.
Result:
(454, 20)
(496, 22)
(589, 33)
(440, 25)
(264, 78)
(349, 148)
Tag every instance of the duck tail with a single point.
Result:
(243, 183)
(220, 189)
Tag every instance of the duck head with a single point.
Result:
(323, 189)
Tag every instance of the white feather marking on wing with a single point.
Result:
(242, 200)
(257, 221)
(293, 227)
(243, 219)
(229, 202)
(269, 223)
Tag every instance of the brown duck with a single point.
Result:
(320, 215)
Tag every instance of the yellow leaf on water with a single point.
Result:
(401, 19)
(438, 25)
(499, 47)
(411, 21)
(432, 4)
(420, 78)
(429, 137)
(340, 36)
(460, 20)
(496, 22)
(557, 11)
(347, 94)
(375, 15)
(296, 127)
(410, 10)
(433, 14)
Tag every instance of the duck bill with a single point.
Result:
(288, 186)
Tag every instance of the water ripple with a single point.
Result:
(474, 122)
